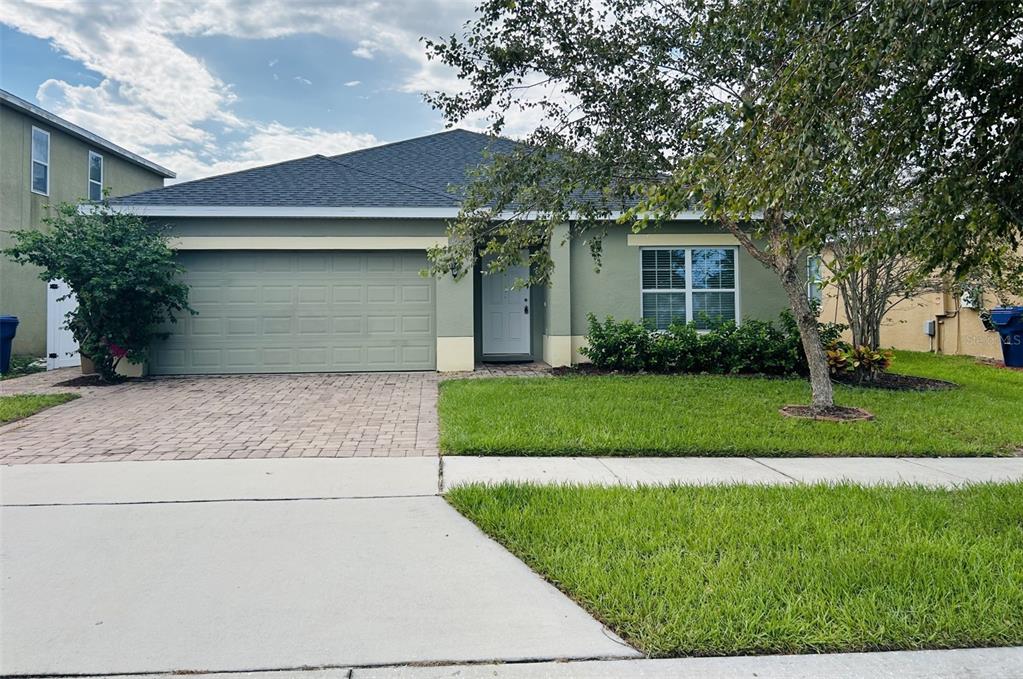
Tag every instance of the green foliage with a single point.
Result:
(618, 346)
(743, 570)
(785, 120)
(862, 363)
(755, 347)
(23, 405)
(721, 415)
(122, 271)
(997, 281)
(24, 365)
(819, 110)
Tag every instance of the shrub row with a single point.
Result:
(755, 347)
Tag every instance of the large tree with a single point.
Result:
(775, 119)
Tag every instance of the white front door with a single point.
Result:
(61, 348)
(505, 313)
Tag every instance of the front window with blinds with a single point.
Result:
(95, 176)
(689, 285)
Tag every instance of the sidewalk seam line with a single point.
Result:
(216, 500)
(418, 664)
(496, 661)
(776, 471)
(610, 471)
(934, 469)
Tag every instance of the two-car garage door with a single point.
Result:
(311, 311)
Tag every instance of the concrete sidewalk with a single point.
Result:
(986, 663)
(246, 565)
(208, 566)
(979, 663)
(289, 479)
(611, 471)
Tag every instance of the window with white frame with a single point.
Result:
(95, 176)
(814, 279)
(689, 285)
(40, 161)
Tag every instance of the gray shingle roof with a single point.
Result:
(406, 174)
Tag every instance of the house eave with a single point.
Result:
(44, 116)
(312, 212)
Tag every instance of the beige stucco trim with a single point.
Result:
(129, 369)
(307, 242)
(669, 239)
(578, 342)
(456, 354)
(557, 350)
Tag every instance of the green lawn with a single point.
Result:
(753, 569)
(23, 365)
(22, 405)
(716, 415)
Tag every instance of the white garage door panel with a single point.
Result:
(302, 312)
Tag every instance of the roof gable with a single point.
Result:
(415, 173)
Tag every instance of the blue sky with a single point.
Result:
(210, 87)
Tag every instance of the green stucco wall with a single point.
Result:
(22, 292)
(561, 309)
(238, 226)
(615, 289)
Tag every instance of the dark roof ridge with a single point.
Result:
(425, 136)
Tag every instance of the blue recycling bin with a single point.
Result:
(1008, 321)
(8, 326)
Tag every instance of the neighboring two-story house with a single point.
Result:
(46, 160)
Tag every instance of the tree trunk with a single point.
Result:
(822, 393)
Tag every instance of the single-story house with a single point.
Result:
(315, 264)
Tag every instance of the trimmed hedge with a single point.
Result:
(755, 347)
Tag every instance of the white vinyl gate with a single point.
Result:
(61, 348)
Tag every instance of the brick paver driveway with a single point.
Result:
(244, 416)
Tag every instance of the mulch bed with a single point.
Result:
(888, 381)
(585, 369)
(589, 369)
(832, 414)
(897, 382)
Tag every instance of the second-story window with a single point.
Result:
(95, 176)
(40, 161)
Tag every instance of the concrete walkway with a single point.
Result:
(326, 479)
(356, 566)
(610, 471)
(989, 663)
(986, 663)
(228, 566)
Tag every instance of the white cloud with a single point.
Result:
(365, 50)
(304, 81)
(270, 143)
(158, 100)
(353, 83)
